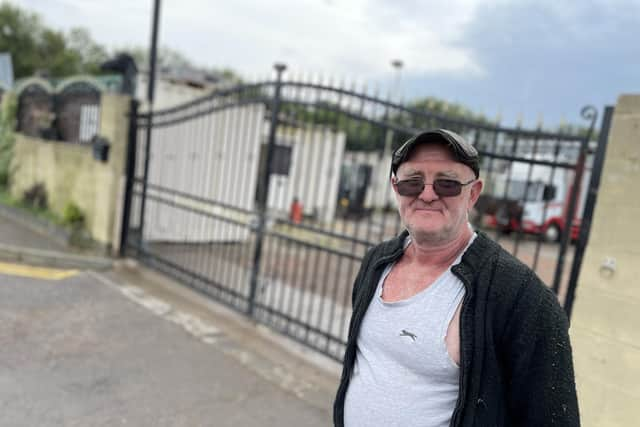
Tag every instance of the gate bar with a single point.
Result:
(588, 113)
(263, 196)
(132, 148)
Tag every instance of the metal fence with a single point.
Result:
(71, 114)
(266, 196)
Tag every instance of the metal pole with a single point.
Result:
(397, 64)
(153, 54)
(592, 196)
(387, 151)
(263, 195)
(150, 96)
(130, 175)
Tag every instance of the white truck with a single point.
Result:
(534, 198)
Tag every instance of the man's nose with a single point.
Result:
(428, 193)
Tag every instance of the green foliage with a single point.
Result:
(6, 199)
(228, 75)
(35, 47)
(446, 110)
(169, 58)
(7, 124)
(72, 215)
(366, 135)
(91, 53)
(581, 131)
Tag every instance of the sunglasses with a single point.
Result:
(441, 186)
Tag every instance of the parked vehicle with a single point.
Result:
(535, 198)
(354, 183)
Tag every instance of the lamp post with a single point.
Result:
(385, 155)
(397, 64)
(153, 54)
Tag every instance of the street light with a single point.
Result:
(385, 156)
(397, 64)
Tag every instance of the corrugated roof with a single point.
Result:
(6, 71)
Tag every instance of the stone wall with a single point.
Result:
(71, 174)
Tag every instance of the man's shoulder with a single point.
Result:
(487, 253)
(511, 279)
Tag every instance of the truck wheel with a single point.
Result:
(552, 233)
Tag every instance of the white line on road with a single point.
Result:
(210, 334)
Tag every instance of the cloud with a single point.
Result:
(356, 37)
(546, 57)
(537, 57)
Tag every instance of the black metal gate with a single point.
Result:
(266, 196)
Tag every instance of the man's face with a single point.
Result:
(429, 217)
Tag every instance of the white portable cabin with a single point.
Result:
(211, 164)
(379, 193)
(308, 170)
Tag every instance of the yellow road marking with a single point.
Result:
(35, 272)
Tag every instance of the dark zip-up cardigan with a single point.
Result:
(516, 367)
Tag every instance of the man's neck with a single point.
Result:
(439, 254)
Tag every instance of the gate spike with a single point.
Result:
(342, 86)
(297, 89)
(353, 87)
(330, 81)
(321, 78)
(305, 77)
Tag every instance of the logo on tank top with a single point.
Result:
(406, 333)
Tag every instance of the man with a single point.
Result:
(448, 329)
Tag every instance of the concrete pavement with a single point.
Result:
(24, 238)
(128, 346)
(78, 351)
(25, 232)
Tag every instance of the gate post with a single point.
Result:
(262, 196)
(130, 172)
(592, 195)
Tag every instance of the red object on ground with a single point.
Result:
(295, 213)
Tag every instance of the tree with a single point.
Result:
(7, 124)
(171, 59)
(167, 57)
(91, 53)
(372, 133)
(35, 47)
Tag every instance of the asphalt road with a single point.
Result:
(79, 352)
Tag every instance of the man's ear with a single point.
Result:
(393, 179)
(476, 189)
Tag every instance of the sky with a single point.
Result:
(531, 59)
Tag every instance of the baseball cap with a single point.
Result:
(463, 152)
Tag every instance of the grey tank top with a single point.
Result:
(403, 374)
